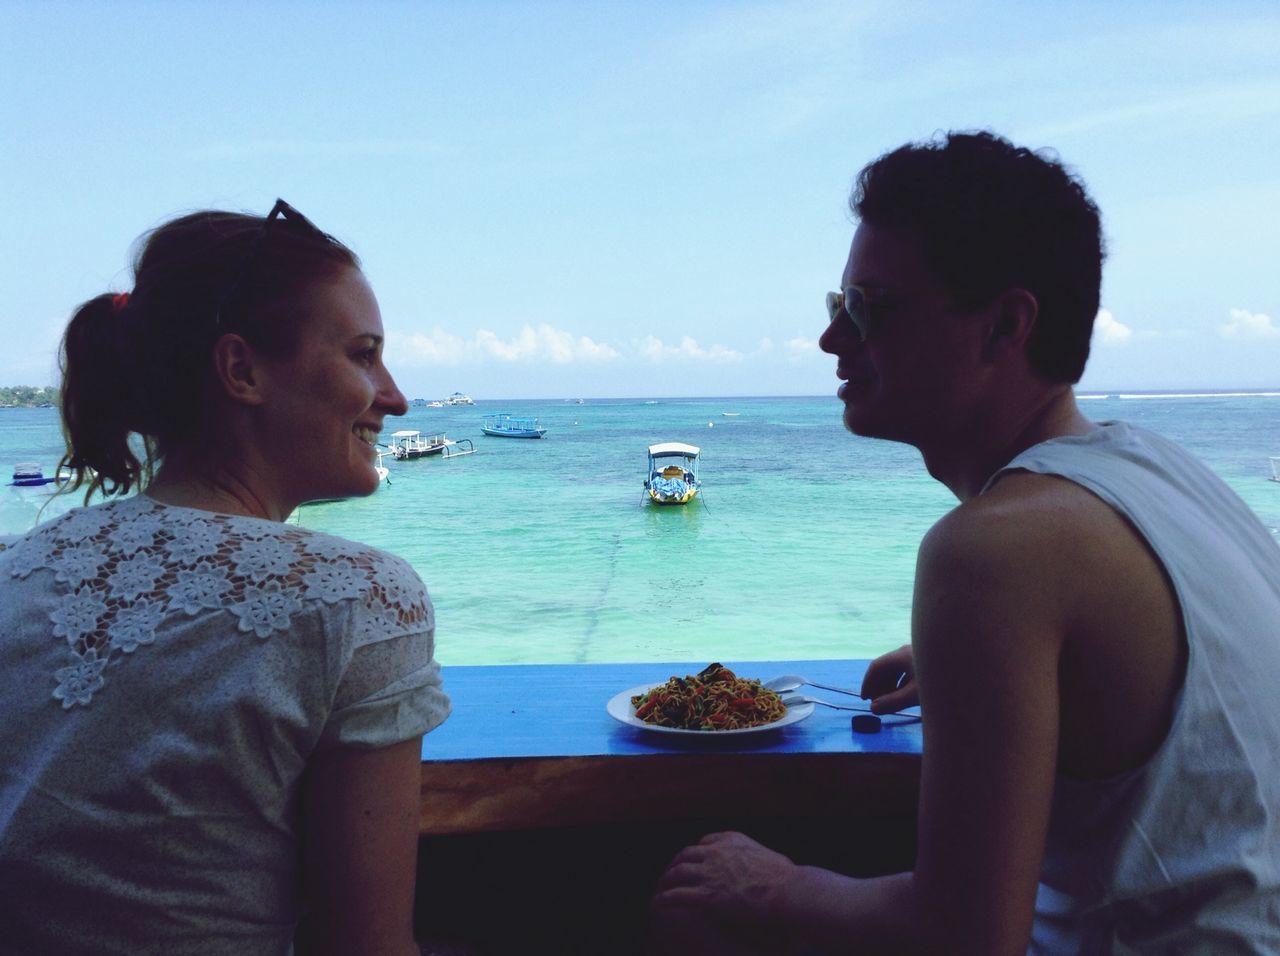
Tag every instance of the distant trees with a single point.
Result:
(28, 396)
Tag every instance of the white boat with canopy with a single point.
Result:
(672, 478)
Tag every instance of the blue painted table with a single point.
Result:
(531, 746)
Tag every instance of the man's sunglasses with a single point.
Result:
(853, 301)
(282, 212)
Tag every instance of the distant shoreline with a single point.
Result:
(44, 400)
(28, 396)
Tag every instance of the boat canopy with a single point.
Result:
(673, 449)
(405, 434)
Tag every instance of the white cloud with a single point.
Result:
(1249, 325)
(544, 343)
(655, 350)
(801, 347)
(1110, 332)
(436, 348)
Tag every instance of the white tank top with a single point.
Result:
(1183, 854)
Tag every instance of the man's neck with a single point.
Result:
(1011, 428)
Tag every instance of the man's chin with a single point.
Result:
(855, 422)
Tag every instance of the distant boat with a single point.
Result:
(1275, 467)
(731, 414)
(502, 425)
(673, 473)
(435, 405)
(457, 398)
(29, 474)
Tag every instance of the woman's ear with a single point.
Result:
(238, 370)
(1014, 316)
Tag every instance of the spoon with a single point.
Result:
(786, 682)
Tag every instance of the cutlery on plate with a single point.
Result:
(791, 700)
(788, 682)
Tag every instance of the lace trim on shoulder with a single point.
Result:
(122, 569)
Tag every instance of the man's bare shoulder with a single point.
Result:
(1024, 515)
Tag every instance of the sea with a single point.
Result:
(802, 544)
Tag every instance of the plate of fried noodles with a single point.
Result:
(715, 700)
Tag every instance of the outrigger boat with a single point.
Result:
(502, 425)
(412, 444)
(409, 443)
(673, 473)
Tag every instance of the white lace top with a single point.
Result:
(165, 675)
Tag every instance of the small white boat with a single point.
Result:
(1275, 467)
(435, 404)
(673, 473)
(731, 414)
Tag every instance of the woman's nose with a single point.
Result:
(391, 398)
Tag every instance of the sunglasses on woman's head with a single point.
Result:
(281, 211)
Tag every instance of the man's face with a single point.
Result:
(906, 381)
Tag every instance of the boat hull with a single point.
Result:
(402, 454)
(500, 433)
(658, 499)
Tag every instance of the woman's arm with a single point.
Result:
(360, 849)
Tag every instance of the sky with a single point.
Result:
(626, 199)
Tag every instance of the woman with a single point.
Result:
(214, 718)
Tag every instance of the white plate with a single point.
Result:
(620, 709)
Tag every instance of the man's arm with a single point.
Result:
(988, 625)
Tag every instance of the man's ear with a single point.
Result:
(237, 366)
(1014, 314)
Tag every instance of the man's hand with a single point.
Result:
(890, 682)
(728, 884)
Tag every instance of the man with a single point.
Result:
(1095, 630)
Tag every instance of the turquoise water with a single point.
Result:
(803, 545)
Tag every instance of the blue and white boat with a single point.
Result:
(673, 473)
(29, 474)
(502, 425)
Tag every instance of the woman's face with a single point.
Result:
(325, 403)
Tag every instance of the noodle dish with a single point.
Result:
(713, 699)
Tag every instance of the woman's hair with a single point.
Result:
(993, 216)
(138, 364)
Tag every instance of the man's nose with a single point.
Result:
(840, 335)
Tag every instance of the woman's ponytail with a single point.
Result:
(97, 401)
